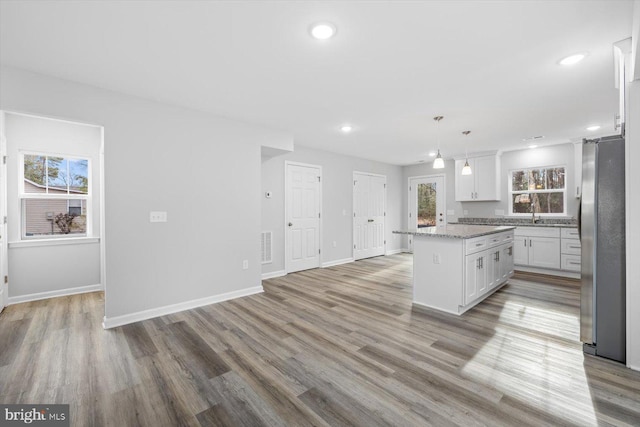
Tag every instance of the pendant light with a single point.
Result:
(466, 169)
(438, 163)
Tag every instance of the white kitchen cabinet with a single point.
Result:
(455, 274)
(506, 261)
(494, 267)
(520, 250)
(570, 250)
(483, 184)
(544, 252)
(471, 277)
(537, 247)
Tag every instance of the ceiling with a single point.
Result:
(487, 66)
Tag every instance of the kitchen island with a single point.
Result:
(457, 266)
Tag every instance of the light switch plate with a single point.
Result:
(157, 216)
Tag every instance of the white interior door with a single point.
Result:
(369, 206)
(303, 189)
(4, 286)
(427, 203)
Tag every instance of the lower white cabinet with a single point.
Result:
(506, 261)
(454, 274)
(570, 250)
(552, 248)
(487, 269)
(475, 277)
(537, 247)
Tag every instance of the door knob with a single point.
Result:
(290, 224)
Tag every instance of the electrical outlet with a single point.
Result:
(436, 258)
(157, 216)
(335, 244)
(499, 212)
(465, 212)
(451, 212)
(245, 264)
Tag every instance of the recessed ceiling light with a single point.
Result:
(323, 30)
(594, 127)
(532, 138)
(573, 59)
(346, 128)
(533, 146)
(432, 154)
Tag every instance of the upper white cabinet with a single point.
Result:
(483, 184)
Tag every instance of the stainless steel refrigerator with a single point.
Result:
(602, 235)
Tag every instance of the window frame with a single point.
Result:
(511, 191)
(23, 195)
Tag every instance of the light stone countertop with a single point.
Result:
(456, 231)
(511, 224)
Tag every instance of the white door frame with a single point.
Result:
(444, 195)
(4, 265)
(384, 223)
(288, 163)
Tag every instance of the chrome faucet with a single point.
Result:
(533, 213)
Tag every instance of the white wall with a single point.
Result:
(203, 170)
(633, 224)
(337, 202)
(554, 155)
(33, 269)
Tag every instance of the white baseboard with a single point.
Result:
(53, 294)
(125, 319)
(273, 274)
(337, 262)
(560, 273)
(635, 368)
(395, 251)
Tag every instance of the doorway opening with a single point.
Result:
(427, 203)
(52, 207)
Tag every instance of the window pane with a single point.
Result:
(78, 176)
(537, 179)
(556, 203)
(555, 178)
(54, 217)
(519, 181)
(57, 175)
(426, 205)
(34, 173)
(521, 203)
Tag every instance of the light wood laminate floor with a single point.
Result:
(335, 346)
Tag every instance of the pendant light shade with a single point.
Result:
(466, 169)
(438, 163)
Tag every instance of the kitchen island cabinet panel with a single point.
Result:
(455, 269)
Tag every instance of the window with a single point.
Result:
(539, 190)
(54, 196)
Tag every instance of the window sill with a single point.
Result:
(53, 242)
